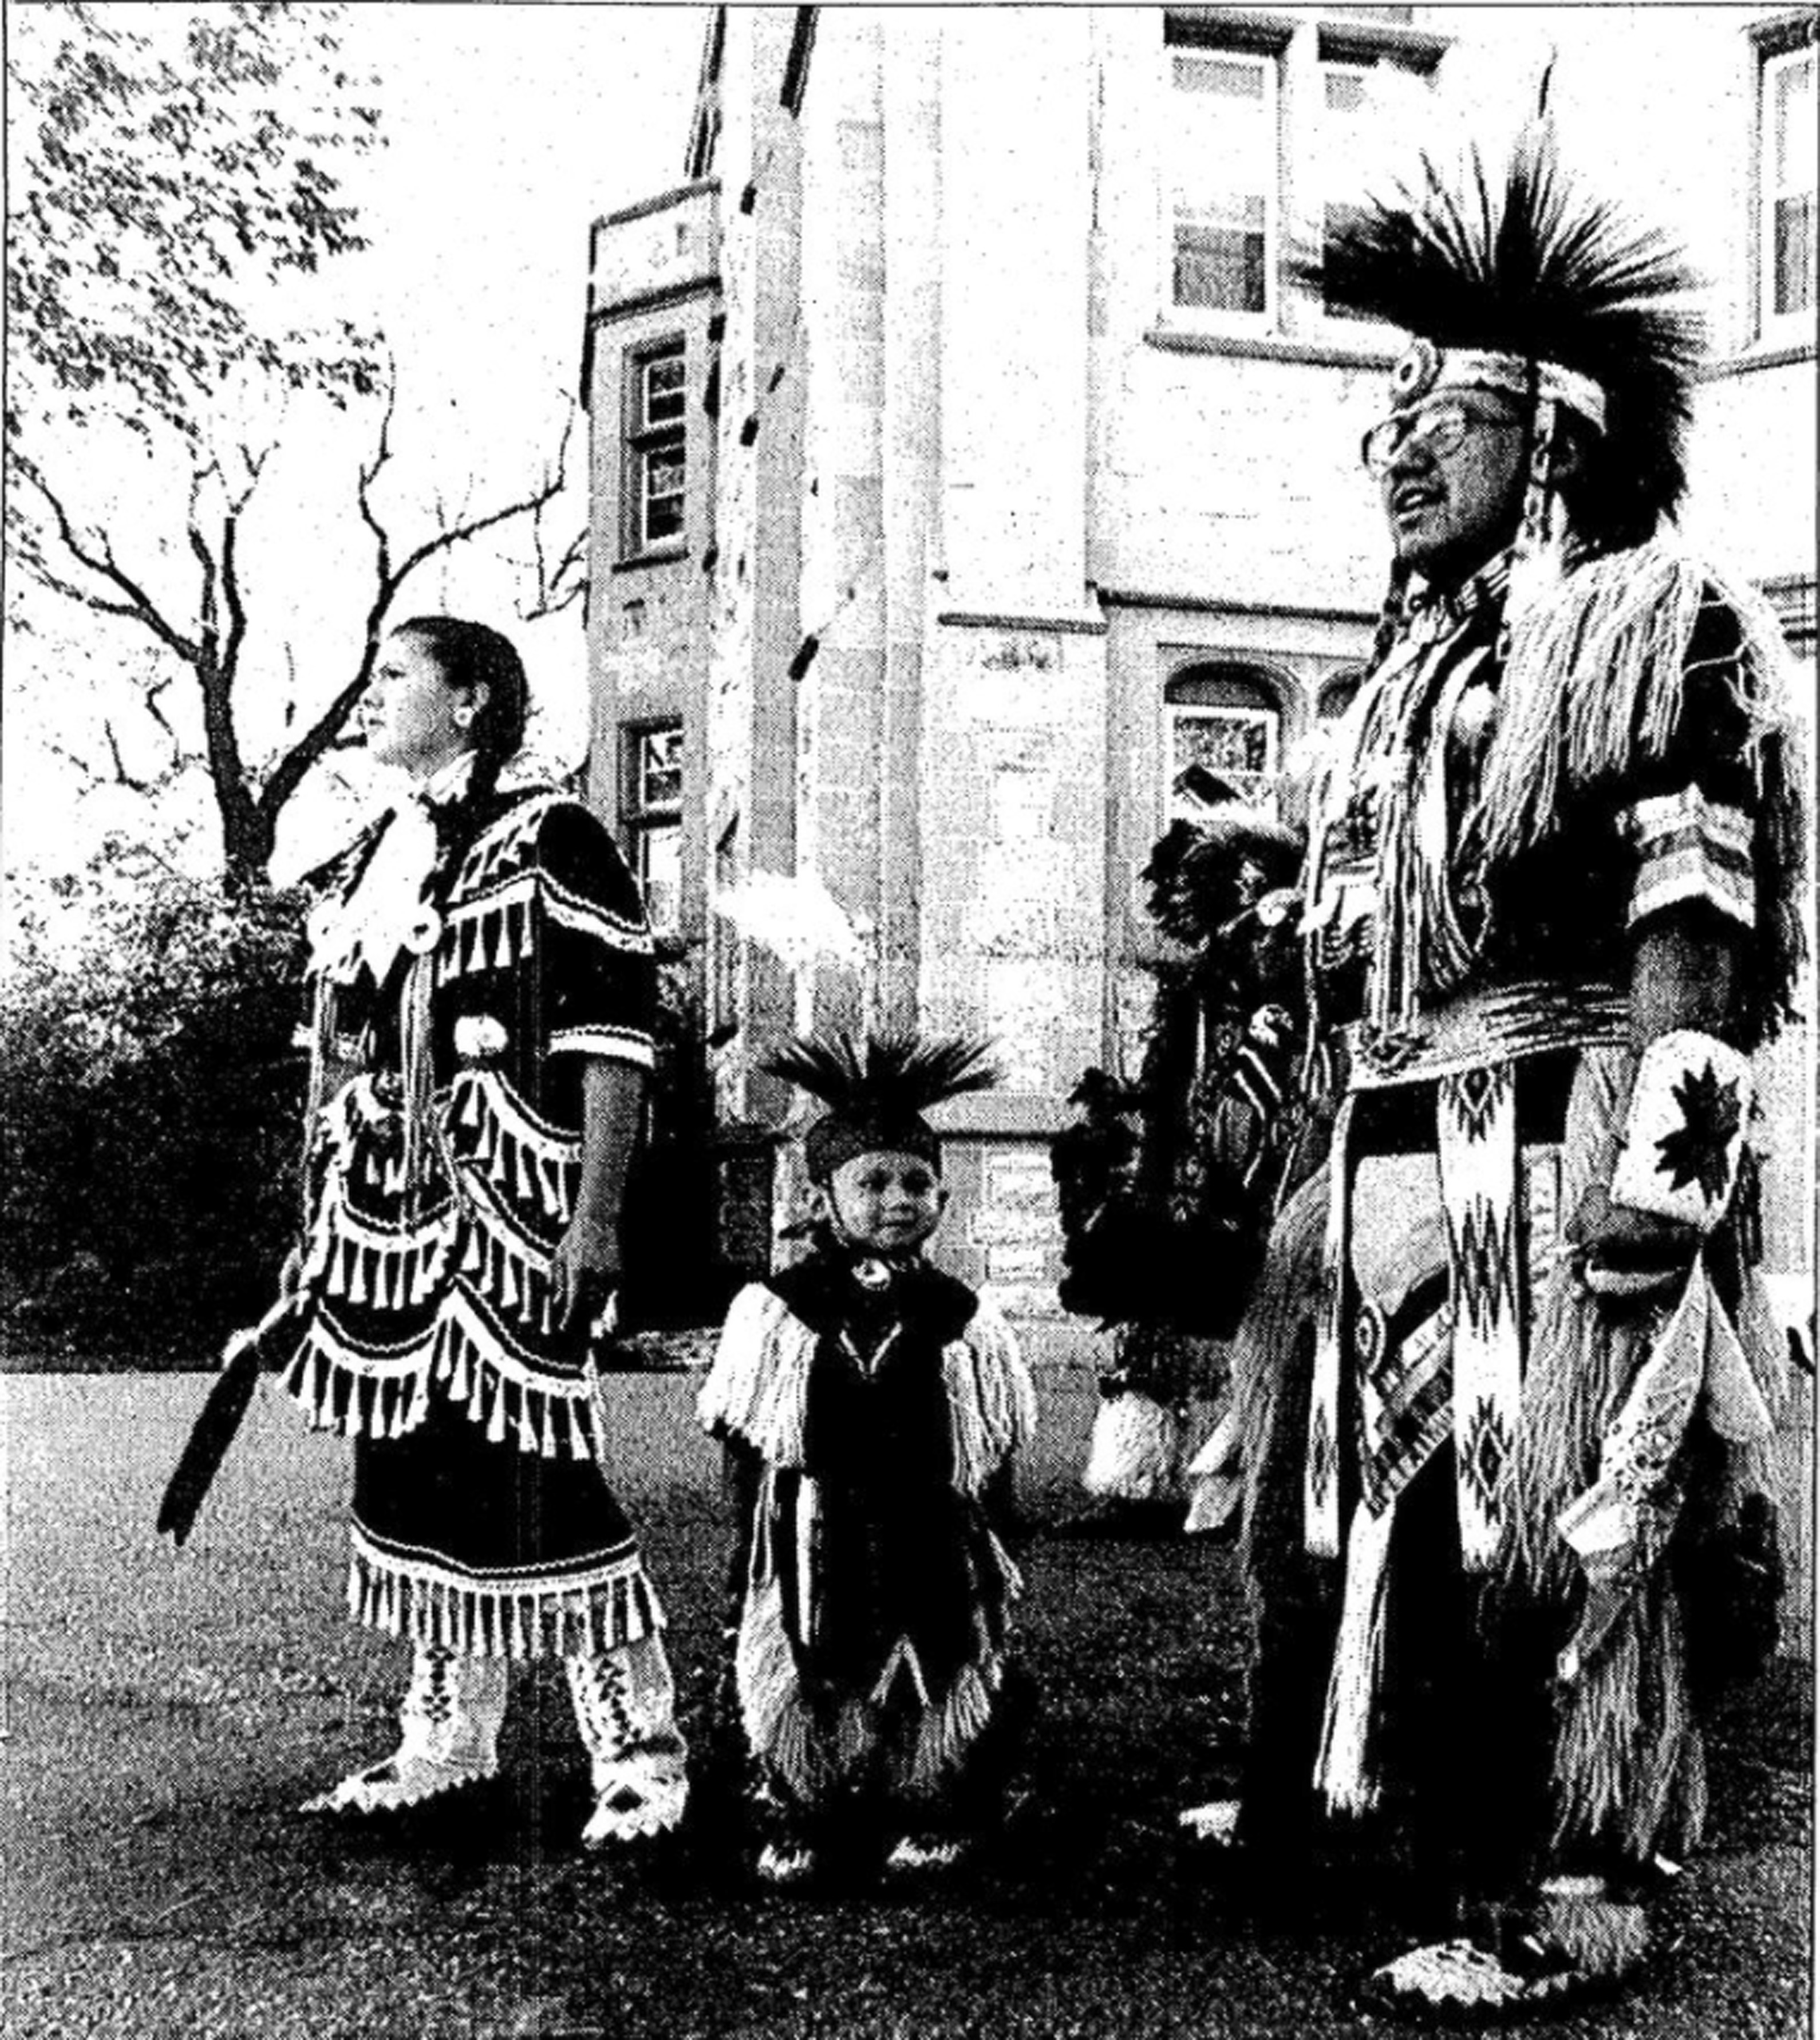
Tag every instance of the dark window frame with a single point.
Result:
(1367, 39)
(1253, 47)
(1219, 685)
(1773, 43)
(641, 441)
(640, 819)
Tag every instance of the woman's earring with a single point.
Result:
(462, 717)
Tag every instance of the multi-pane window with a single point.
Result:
(1222, 741)
(656, 458)
(652, 805)
(658, 766)
(1222, 182)
(1369, 106)
(1338, 694)
(1788, 189)
(1266, 136)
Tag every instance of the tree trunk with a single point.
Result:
(246, 843)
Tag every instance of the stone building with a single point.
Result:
(965, 465)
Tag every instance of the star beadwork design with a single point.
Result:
(1697, 1151)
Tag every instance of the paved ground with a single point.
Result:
(165, 1712)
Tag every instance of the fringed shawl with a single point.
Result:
(757, 1389)
(1594, 690)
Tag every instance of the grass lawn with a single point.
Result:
(165, 1712)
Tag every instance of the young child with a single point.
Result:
(870, 1407)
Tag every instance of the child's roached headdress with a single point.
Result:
(876, 1090)
(1532, 287)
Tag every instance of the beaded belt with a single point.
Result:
(1499, 1025)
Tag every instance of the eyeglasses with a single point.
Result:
(1437, 429)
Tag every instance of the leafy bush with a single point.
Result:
(151, 1111)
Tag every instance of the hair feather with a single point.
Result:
(1530, 265)
(895, 1075)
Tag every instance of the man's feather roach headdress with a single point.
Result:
(1530, 285)
(877, 1091)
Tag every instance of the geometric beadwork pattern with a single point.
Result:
(1484, 1453)
(1475, 1128)
(1405, 1399)
(1320, 1477)
(1323, 1462)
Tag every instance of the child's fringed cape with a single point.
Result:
(1593, 691)
(758, 1389)
(815, 1742)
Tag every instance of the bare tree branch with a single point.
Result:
(205, 559)
(287, 775)
(154, 698)
(370, 471)
(460, 534)
(122, 776)
(321, 735)
(216, 668)
(48, 577)
(249, 800)
(85, 766)
(561, 587)
(231, 594)
(557, 587)
(100, 561)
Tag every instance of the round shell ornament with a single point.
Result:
(1416, 373)
(425, 932)
(1367, 1336)
(478, 1037)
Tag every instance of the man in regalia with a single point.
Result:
(1508, 1378)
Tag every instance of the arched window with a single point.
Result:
(1336, 695)
(1223, 735)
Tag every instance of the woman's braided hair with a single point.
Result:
(469, 656)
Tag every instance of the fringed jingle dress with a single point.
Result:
(871, 1431)
(444, 1174)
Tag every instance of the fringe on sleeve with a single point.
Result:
(991, 1400)
(758, 1388)
(1595, 687)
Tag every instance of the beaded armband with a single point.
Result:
(1685, 1130)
